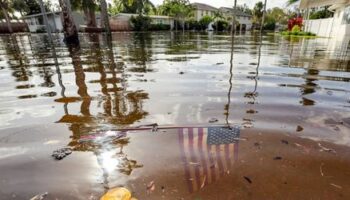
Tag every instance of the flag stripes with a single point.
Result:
(207, 154)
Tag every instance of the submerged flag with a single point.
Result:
(208, 153)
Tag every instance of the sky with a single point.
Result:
(229, 3)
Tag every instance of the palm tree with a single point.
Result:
(290, 2)
(4, 4)
(89, 8)
(104, 14)
(70, 30)
(134, 6)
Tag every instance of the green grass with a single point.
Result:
(300, 34)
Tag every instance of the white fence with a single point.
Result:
(322, 27)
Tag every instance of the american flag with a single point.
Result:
(208, 153)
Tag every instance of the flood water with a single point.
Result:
(51, 97)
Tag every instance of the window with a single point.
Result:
(346, 16)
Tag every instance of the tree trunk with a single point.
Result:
(7, 18)
(90, 17)
(69, 28)
(87, 16)
(104, 17)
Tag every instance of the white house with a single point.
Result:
(338, 26)
(36, 22)
(202, 10)
(244, 20)
(121, 21)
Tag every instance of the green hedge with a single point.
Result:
(301, 33)
(159, 27)
(141, 23)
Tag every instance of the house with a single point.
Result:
(121, 21)
(244, 20)
(202, 10)
(16, 25)
(36, 22)
(337, 27)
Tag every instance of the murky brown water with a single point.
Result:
(282, 90)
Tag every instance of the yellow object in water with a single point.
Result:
(119, 193)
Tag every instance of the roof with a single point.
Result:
(40, 14)
(203, 6)
(237, 12)
(304, 4)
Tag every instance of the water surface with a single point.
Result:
(52, 96)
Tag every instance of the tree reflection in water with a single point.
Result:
(120, 107)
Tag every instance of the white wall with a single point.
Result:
(321, 27)
(330, 27)
(245, 20)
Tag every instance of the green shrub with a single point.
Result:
(141, 23)
(192, 25)
(221, 25)
(270, 25)
(296, 29)
(205, 21)
(159, 27)
(301, 33)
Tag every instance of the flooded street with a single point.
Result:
(288, 98)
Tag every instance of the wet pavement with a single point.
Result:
(290, 98)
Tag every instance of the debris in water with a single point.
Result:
(277, 158)
(182, 73)
(59, 154)
(203, 182)
(284, 141)
(321, 171)
(219, 63)
(213, 120)
(300, 128)
(326, 149)
(151, 186)
(193, 163)
(39, 196)
(306, 149)
(119, 193)
(248, 179)
(337, 186)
